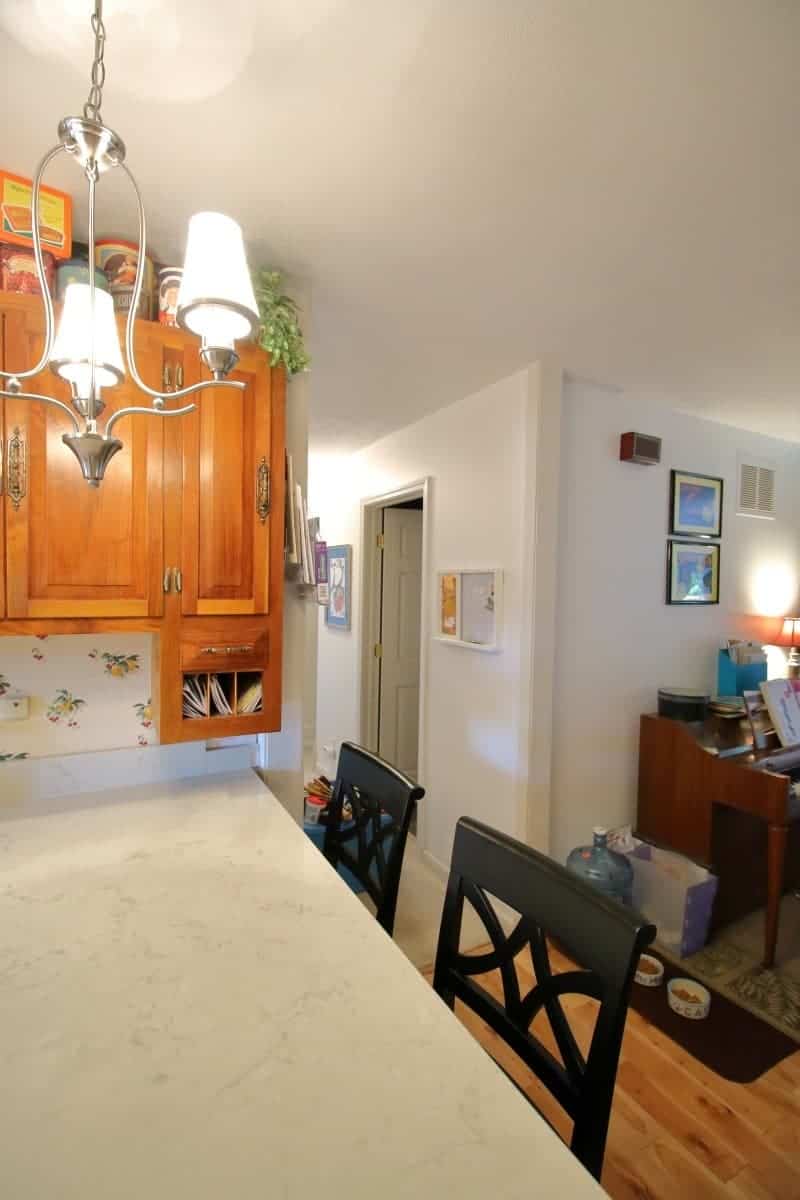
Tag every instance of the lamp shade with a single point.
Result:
(790, 632)
(216, 299)
(71, 356)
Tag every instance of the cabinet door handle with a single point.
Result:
(2, 467)
(168, 579)
(250, 649)
(262, 490)
(178, 376)
(16, 468)
(178, 579)
(166, 378)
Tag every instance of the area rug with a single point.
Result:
(731, 1041)
(731, 966)
(755, 1013)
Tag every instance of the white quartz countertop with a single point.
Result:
(192, 1004)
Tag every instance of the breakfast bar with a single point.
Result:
(193, 1004)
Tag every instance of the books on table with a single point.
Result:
(783, 703)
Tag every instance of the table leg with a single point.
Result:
(776, 853)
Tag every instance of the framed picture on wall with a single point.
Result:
(449, 603)
(337, 613)
(695, 505)
(692, 573)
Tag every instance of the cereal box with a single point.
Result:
(55, 215)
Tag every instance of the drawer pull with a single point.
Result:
(228, 649)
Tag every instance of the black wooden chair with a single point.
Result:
(371, 844)
(602, 936)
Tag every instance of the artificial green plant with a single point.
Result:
(280, 334)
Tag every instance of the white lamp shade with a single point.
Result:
(216, 299)
(71, 356)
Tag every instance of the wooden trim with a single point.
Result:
(43, 627)
(273, 695)
(86, 608)
(214, 608)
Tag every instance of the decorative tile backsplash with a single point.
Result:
(87, 692)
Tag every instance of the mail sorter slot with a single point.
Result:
(221, 694)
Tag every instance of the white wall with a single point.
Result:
(477, 454)
(617, 640)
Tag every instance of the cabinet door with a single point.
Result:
(225, 530)
(72, 550)
(2, 476)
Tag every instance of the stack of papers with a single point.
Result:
(781, 699)
(221, 701)
(194, 697)
(249, 699)
(744, 654)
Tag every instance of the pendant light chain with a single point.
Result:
(84, 350)
(91, 109)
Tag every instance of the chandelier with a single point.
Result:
(215, 299)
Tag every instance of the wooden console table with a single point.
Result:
(734, 815)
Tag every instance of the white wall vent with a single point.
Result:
(756, 489)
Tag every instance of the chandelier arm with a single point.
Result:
(137, 291)
(46, 400)
(47, 299)
(237, 384)
(159, 397)
(147, 412)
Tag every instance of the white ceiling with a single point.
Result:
(465, 184)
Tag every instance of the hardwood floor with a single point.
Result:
(677, 1129)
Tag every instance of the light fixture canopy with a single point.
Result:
(216, 298)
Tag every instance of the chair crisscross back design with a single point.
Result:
(371, 843)
(373, 839)
(603, 937)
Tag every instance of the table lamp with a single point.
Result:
(790, 636)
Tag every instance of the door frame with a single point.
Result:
(370, 597)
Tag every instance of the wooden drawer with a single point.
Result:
(223, 646)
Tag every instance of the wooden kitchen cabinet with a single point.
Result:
(183, 538)
(72, 550)
(225, 485)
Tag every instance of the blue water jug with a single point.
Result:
(611, 873)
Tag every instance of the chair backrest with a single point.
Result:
(602, 936)
(372, 843)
